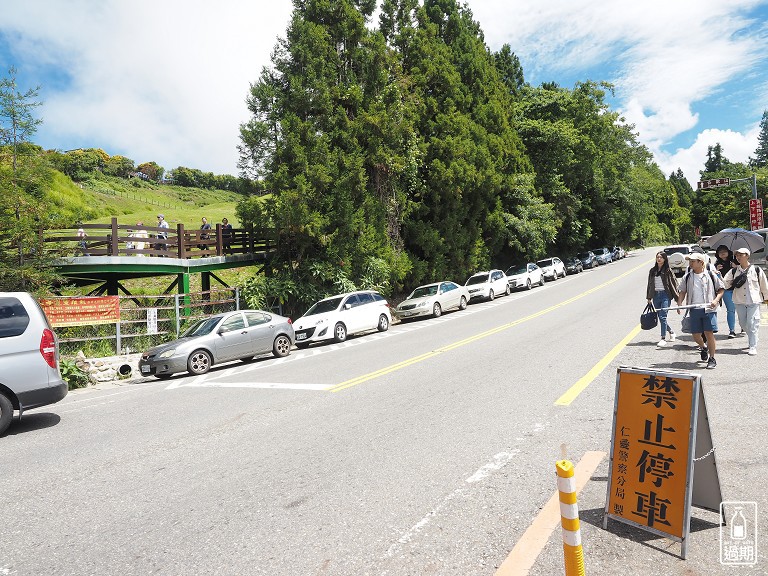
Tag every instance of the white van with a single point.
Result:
(29, 358)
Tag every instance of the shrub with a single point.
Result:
(72, 375)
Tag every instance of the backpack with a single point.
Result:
(711, 275)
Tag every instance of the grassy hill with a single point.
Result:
(102, 197)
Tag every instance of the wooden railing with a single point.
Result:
(116, 239)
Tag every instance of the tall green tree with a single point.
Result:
(760, 159)
(24, 175)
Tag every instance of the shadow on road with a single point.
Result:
(32, 422)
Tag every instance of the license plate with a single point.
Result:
(301, 336)
(145, 369)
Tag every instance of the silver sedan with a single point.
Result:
(433, 299)
(239, 335)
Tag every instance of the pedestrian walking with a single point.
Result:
(140, 233)
(702, 286)
(661, 291)
(750, 289)
(226, 234)
(163, 233)
(723, 264)
(204, 232)
(82, 243)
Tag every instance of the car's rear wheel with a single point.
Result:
(491, 296)
(6, 413)
(507, 290)
(528, 284)
(383, 324)
(463, 303)
(199, 362)
(340, 332)
(565, 272)
(282, 346)
(436, 310)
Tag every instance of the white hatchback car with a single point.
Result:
(487, 284)
(525, 276)
(553, 268)
(336, 317)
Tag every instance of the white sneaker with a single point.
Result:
(671, 336)
(661, 343)
(752, 351)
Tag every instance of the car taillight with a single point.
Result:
(48, 348)
(290, 321)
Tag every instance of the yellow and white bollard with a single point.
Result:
(569, 519)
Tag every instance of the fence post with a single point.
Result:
(113, 245)
(118, 339)
(237, 298)
(569, 513)
(178, 314)
(180, 239)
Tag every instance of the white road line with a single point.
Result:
(499, 461)
(257, 385)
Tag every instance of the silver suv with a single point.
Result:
(29, 358)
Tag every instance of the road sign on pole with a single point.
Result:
(756, 213)
(714, 183)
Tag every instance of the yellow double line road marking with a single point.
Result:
(416, 359)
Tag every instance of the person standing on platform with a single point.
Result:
(163, 233)
(226, 234)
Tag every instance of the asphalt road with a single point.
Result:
(428, 449)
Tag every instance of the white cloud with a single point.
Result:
(167, 81)
(665, 58)
(164, 81)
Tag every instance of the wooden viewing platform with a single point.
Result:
(116, 252)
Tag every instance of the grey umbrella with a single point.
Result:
(735, 238)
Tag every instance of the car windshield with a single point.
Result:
(514, 270)
(478, 279)
(201, 327)
(422, 291)
(543, 263)
(324, 306)
(584, 255)
(680, 249)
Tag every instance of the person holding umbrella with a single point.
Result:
(750, 289)
(723, 264)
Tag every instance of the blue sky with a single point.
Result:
(167, 81)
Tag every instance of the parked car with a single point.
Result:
(224, 337)
(29, 357)
(487, 284)
(603, 255)
(553, 268)
(676, 256)
(433, 299)
(617, 253)
(337, 317)
(524, 276)
(588, 259)
(573, 265)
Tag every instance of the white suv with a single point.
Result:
(336, 317)
(553, 268)
(676, 257)
(487, 284)
(29, 358)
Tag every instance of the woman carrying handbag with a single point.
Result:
(661, 291)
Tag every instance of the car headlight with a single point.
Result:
(167, 353)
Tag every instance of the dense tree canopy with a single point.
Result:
(414, 147)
